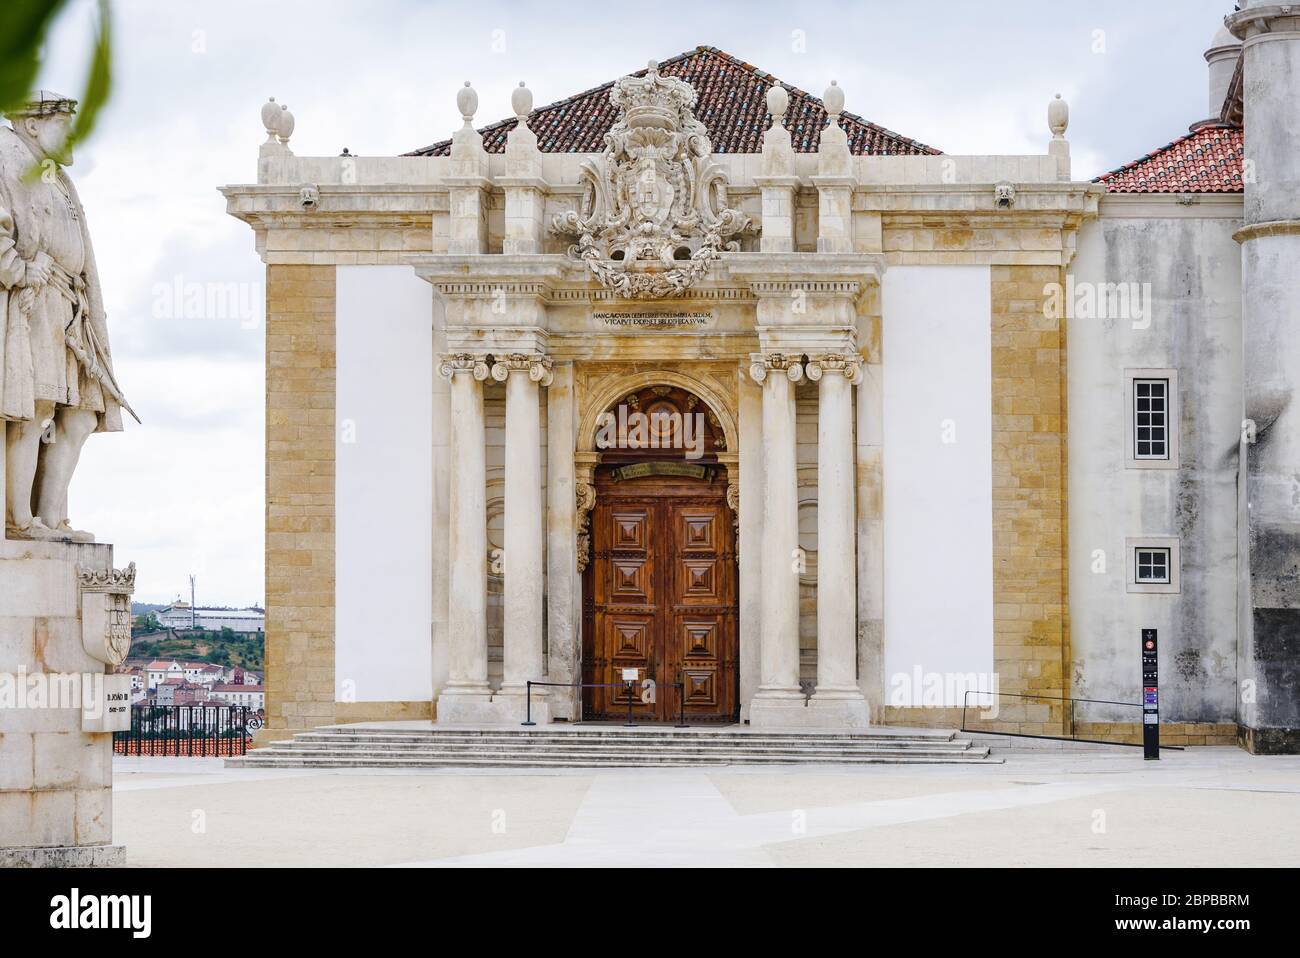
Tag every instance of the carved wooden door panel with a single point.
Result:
(700, 619)
(661, 597)
(628, 596)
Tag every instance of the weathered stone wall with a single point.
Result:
(300, 441)
(1185, 258)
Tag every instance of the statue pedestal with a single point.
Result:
(58, 703)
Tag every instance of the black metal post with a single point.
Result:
(630, 689)
(1150, 696)
(681, 701)
(528, 706)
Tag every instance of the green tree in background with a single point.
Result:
(24, 25)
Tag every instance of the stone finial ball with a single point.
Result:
(285, 123)
(467, 101)
(521, 100)
(1058, 115)
(271, 114)
(778, 101)
(833, 99)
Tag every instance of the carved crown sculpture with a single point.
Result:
(120, 581)
(654, 211)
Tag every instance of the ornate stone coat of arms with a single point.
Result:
(654, 211)
(106, 612)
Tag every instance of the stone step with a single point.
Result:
(617, 728)
(742, 742)
(596, 747)
(288, 758)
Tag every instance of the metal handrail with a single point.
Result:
(965, 702)
(629, 685)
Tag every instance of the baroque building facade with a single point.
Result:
(698, 375)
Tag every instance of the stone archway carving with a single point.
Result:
(606, 395)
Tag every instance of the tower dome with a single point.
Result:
(1222, 60)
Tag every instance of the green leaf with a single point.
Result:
(23, 25)
(98, 83)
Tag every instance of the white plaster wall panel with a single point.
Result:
(384, 473)
(938, 575)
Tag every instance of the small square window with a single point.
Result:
(1152, 566)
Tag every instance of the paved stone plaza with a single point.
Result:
(1201, 807)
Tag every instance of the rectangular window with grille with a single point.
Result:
(1151, 418)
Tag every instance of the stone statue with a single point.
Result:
(56, 372)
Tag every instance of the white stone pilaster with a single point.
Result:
(837, 698)
(779, 700)
(750, 538)
(563, 608)
(466, 695)
(871, 536)
(523, 543)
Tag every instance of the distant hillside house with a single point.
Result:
(252, 696)
(179, 615)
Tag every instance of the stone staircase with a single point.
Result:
(595, 746)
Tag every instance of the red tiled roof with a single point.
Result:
(1207, 160)
(732, 105)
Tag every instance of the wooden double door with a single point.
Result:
(660, 596)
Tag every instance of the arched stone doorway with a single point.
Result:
(657, 546)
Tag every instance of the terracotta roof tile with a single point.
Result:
(1207, 160)
(731, 104)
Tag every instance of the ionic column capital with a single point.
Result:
(453, 363)
(847, 365)
(761, 364)
(539, 368)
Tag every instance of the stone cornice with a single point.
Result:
(1260, 22)
(772, 274)
(1172, 206)
(1270, 228)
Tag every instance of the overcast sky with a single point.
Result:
(184, 492)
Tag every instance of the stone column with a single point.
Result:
(524, 553)
(1269, 662)
(779, 700)
(838, 699)
(466, 696)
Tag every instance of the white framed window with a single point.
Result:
(1153, 565)
(1152, 405)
